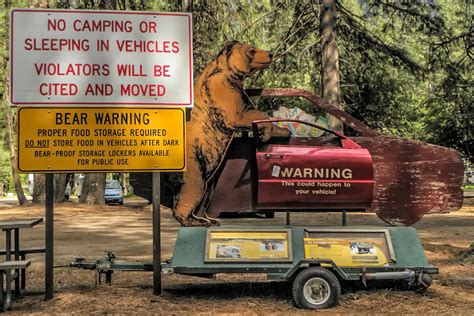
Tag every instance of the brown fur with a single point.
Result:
(221, 107)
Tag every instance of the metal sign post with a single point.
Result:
(156, 234)
(49, 237)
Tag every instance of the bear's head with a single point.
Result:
(244, 59)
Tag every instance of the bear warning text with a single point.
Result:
(101, 139)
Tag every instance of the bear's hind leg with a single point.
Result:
(190, 195)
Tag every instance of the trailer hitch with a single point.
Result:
(106, 266)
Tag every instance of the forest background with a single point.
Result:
(403, 67)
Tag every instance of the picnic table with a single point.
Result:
(19, 263)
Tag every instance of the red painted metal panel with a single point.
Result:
(296, 177)
(233, 192)
(235, 189)
(413, 179)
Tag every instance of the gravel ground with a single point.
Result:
(91, 231)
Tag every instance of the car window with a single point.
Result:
(113, 185)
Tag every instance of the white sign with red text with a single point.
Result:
(100, 57)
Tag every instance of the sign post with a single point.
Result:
(156, 234)
(70, 69)
(49, 237)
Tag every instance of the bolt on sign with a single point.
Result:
(100, 57)
(100, 139)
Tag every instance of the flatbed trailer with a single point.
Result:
(317, 260)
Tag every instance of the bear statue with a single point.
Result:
(221, 107)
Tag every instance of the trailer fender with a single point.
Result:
(305, 263)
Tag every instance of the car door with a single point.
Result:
(326, 173)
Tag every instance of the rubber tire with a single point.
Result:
(316, 272)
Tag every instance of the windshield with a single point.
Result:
(113, 185)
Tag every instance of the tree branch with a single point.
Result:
(374, 42)
(412, 12)
(467, 34)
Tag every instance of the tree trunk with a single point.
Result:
(93, 189)
(38, 188)
(60, 182)
(186, 5)
(123, 182)
(11, 146)
(10, 121)
(330, 60)
(108, 4)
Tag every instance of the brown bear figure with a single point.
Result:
(221, 107)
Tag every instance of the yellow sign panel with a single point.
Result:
(347, 253)
(101, 139)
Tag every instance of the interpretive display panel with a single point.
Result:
(348, 249)
(101, 139)
(241, 245)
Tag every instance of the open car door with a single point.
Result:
(312, 173)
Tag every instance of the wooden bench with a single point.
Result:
(6, 267)
(23, 252)
(12, 265)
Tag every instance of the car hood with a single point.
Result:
(113, 191)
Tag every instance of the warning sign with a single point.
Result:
(101, 139)
(101, 57)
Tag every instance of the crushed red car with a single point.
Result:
(399, 179)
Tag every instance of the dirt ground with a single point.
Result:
(91, 231)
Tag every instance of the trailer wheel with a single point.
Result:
(316, 288)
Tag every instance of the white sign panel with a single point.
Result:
(100, 57)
